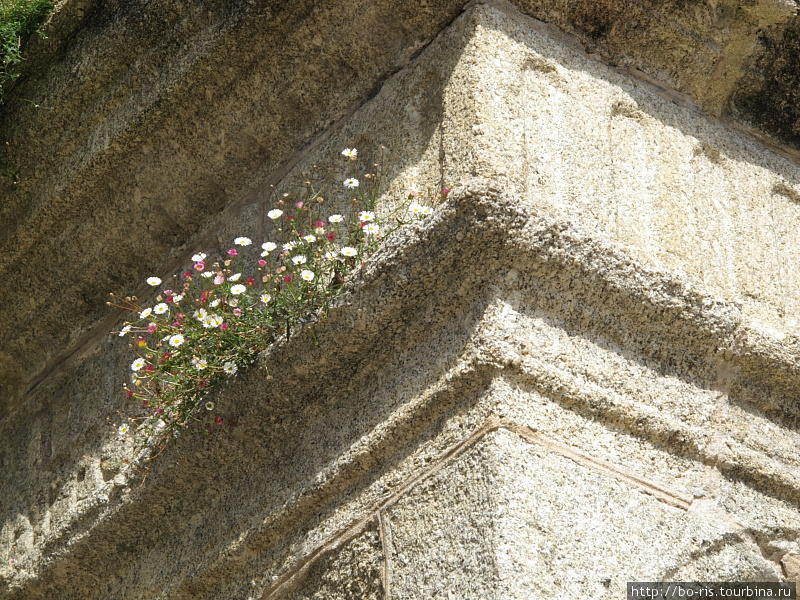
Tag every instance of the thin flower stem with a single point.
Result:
(217, 319)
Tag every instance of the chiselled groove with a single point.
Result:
(648, 486)
(564, 250)
(712, 478)
(602, 404)
(387, 546)
(293, 577)
(738, 461)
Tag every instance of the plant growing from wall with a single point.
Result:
(18, 20)
(214, 318)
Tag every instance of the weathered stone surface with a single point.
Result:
(791, 566)
(401, 390)
(351, 572)
(143, 147)
(592, 340)
(768, 95)
(702, 49)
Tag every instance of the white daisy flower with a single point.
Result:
(137, 364)
(268, 247)
(366, 216)
(265, 298)
(200, 256)
(415, 207)
(154, 281)
(177, 298)
(212, 321)
(200, 314)
(289, 245)
(233, 302)
(336, 218)
(214, 303)
(351, 183)
(371, 229)
(243, 241)
(330, 255)
(299, 259)
(160, 309)
(207, 274)
(209, 406)
(274, 213)
(307, 275)
(426, 210)
(310, 238)
(124, 331)
(123, 429)
(199, 363)
(238, 289)
(235, 277)
(349, 251)
(176, 340)
(350, 152)
(230, 367)
(145, 313)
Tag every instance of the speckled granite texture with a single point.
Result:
(582, 370)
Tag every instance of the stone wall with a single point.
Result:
(592, 345)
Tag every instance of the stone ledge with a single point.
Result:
(180, 117)
(522, 301)
(355, 402)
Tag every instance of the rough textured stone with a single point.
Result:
(593, 339)
(143, 148)
(400, 399)
(768, 96)
(791, 566)
(348, 573)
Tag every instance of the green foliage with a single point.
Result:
(18, 20)
(196, 329)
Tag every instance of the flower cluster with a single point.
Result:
(222, 311)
